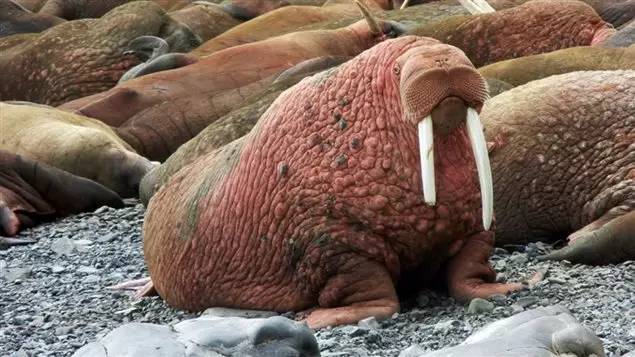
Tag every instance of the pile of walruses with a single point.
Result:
(322, 156)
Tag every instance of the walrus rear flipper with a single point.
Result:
(608, 240)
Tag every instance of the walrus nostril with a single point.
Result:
(448, 115)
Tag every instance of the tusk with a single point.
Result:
(479, 147)
(484, 6)
(404, 5)
(372, 23)
(426, 152)
(476, 7)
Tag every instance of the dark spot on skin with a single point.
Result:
(341, 160)
(356, 143)
(357, 226)
(263, 238)
(342, 124)
(322, 239)
(330, 205)
(337, 116)
(294, 252)
(343, 102)
(283, 169)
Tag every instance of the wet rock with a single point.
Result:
(19, 273)
(527, 301)
(369, 323)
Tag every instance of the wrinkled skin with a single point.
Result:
(231, 126)
(79, 9)
(16, 19)
(83, 57)
(526, 69)
(206, 21)
(542, 332)
(535, 27)
(32, 192)
(238, 123)
(157, 113)
(330, 16)
(82, 146)
(564, 164)
(331, 215)
(32, 5)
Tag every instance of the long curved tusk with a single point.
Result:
(426, 153)
(372, 23)
(404, 5)
(479, 147)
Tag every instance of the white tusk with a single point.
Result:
(404, 5)
(476, 7)
(484, 6)
(426, 151)
(479, 147)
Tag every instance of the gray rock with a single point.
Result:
(519, 259)
(63, 246)
(20, 273)
(369, 323)
(56, 269)
(534, 333)
(478, 306)
(527, 301)
(208, 336)
(63, 330)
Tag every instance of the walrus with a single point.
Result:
(355, 180)
(32, 192)
(14, 18)
(83, 57)
(563, 160)
(82, 146)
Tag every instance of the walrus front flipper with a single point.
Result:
(608, 240)
(142, 287)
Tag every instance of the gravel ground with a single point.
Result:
(53, 298)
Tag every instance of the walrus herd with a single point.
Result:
(322, 156)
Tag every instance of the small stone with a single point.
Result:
(423, 300)
(87, 270)
(479, 305)
(91, 279)
(16, 274)
(63, 246)
(63, 330)
(517, 309)
(527, 301)
(557, 281)
(82, 245)
(106, 238)
(369, 323)
(499, 299)
(519, 259)
(446, 325)
(57, 269)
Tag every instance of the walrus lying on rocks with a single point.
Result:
(32, 192)
(563, 160)
(80, 145)
(355, 180)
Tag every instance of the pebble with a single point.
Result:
(478, 306)
(527, 301)
(601, 297)
(63, 246)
